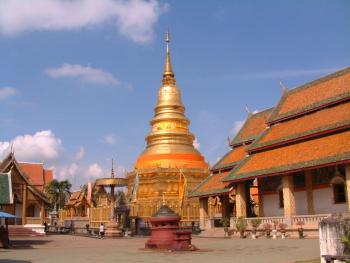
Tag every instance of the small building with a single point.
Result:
(77, 205)
(27, 202)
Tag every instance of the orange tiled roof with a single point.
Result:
(253, 126)
(34, 172)
(322, 91)
(212, 185)
(319, 151)
(48, 176)
(319, 121)
(75, 198)
(231, 158)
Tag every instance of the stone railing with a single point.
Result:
(267, 220)
(310, 221)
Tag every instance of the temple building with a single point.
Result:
(77, 204)
(170, 166)
(301, 161)
(217, 198)
(24, 198)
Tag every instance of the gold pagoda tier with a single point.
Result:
(170, 164)
(170, 143)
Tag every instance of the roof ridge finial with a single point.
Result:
(168, 75)
(283, 87)
(112, 170)
(248, 110)
(13, 148)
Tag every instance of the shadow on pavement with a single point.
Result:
(13, 261)
(26, 244)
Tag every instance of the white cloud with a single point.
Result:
(41, 146)
(237, 125)
(85, 74)
(196, 144)
(94, 171)
(69, 172)
(134, 19)
(110, 139)
(80, 154)
(6, 92)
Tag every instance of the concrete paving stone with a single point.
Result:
(77, 249)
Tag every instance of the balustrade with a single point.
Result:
(309, 221)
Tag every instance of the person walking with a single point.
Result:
(102, 231)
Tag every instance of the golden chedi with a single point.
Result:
(170, 166)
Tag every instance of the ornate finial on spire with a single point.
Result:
(112, 170)
(168, 75)
(283, 87)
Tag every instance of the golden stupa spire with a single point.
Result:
(168, 75)
(169, 143)
(112, 170)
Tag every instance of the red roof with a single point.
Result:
(254, 125)
(313, 95)
(212, 185)
(48, 176)
(308, 125)
(37, 175)
(321, 151)
(231, 158)
(34, 172)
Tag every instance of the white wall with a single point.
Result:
(300, 202)
(271, 205)
(324, 202)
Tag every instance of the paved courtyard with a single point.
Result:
(65, 248)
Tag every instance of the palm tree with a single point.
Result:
(57, 191)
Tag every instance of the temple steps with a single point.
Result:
(21, 231)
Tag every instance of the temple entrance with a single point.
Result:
(31, 211)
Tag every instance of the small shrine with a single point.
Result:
(166, 232)
(114, 226)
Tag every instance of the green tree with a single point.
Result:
(57, 192)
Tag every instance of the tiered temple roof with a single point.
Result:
(314, 95)
(76, 199)
(37, 174)
(10, 164)
(251, 129)
(310, 128)
(214, 185)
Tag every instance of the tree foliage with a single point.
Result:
(57, 192)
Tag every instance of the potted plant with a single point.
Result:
(267, 227)
(282, 227)
(274, 230)
(225, 221)
(300, 229)
(241, 226)
(255, 224)
(345, 240)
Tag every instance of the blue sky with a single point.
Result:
(79, 79)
